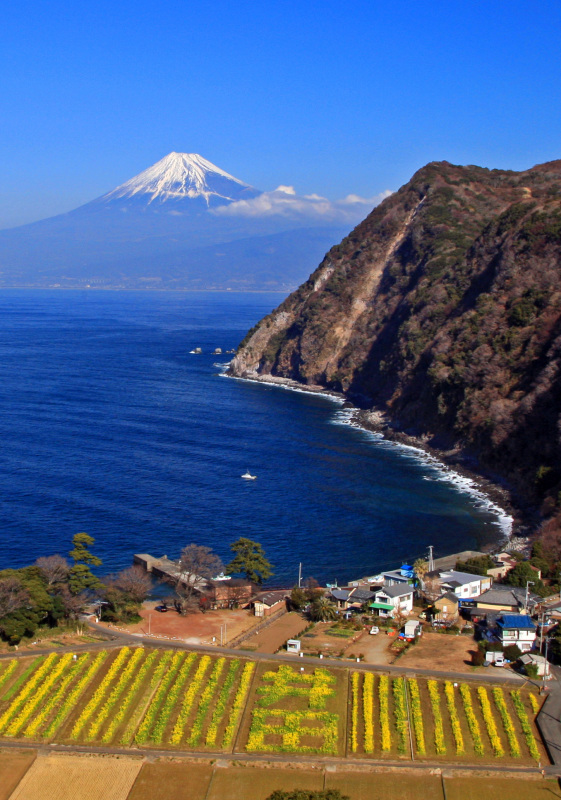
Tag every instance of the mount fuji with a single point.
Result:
(183, 223)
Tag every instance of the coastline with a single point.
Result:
(456, 466)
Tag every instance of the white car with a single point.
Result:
(374, 630)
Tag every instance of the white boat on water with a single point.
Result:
(247, 476)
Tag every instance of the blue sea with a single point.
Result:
(109, 425)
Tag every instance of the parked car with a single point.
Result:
(161, 608)
(374, 630)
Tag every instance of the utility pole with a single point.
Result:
(528, 583)
(546, 665)
(300, 575)
(149, 623)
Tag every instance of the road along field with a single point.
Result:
(176, 700)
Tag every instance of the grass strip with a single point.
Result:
(473, 724)
(434, 696)
(355, 679)
(490, 724)
(400, 713)
(384, 711)
(188, 700)
(9, 671)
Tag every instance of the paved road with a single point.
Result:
(549, 718)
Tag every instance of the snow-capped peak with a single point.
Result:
(182, 175)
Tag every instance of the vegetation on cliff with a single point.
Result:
(443, 308)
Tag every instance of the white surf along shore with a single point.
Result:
(437, 470)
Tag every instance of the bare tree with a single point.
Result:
(197, 565)
(134, 581)
(13, 596)
(54, 568)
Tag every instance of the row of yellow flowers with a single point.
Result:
(99, 693)
(499, 699)
(115, 693)
(188, 700)
(131, 695)
(239, 701)
(490, 724)
(41, 692)
(155, 681)
(355, 678)
(205, 701)
(8, 672)
(400, 714)
(53, 701)
(525, 724)
(534, 702)
(157, 734)
(70, 702)
(417, 715)
(434, 695)
(471, 719)
(27, 690)
(221, 703)
(174, 663)
(454, 719)
(383, 696)
(368, 712)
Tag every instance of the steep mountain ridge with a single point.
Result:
(443, 308)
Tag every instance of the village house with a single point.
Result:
(463, 584)
(391, 600)
(266, 604)
(340, 598)
(503, 564)
(507, 598)
(447, 608)
(402, 576)
(516, 629)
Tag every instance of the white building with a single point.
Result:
(390, 600)
(464, 585)
(516, 629)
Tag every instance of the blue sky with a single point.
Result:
(331, 97)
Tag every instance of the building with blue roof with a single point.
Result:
(517, 629)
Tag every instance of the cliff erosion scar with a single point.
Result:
(442, 310)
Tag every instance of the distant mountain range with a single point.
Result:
(184, 223)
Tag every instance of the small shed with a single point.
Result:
(539, 661)
(268, 603)
(293, 646)
(412, 629)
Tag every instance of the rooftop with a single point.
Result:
(516, 621)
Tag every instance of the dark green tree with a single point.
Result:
(298, 598)
(25, 603)
(322, 610)
(249, 561)
(80, 576)
(521, 574)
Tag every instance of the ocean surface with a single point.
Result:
(109, 425)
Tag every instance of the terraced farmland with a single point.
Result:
(189, 701)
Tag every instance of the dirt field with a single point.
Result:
(248, 783)
(385, 786)
(194, 628)
(165, 780)
(439, 651)
(493, 788)
(66, 777)
(269, 640)
(13, 766)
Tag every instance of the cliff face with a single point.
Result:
(444, 308)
